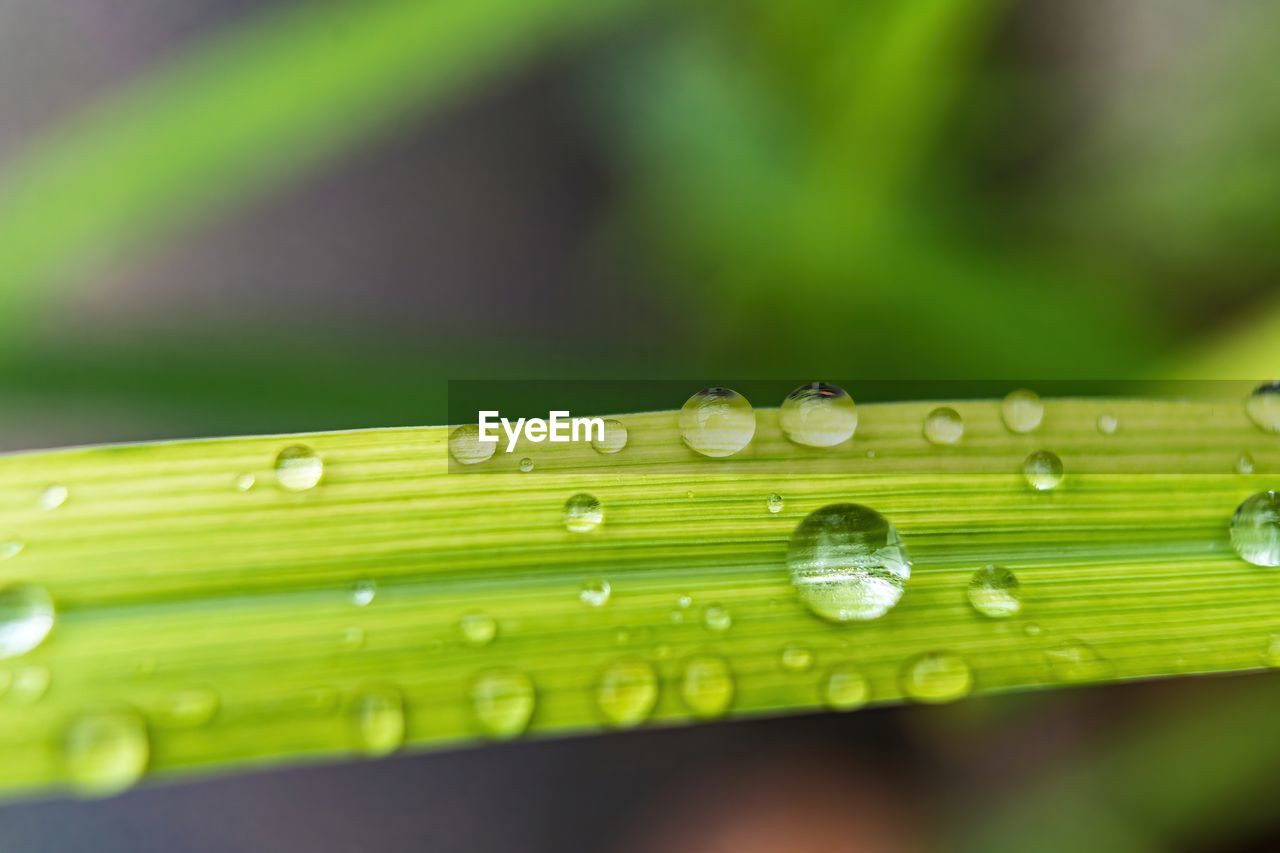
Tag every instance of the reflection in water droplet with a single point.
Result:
(26, 617)
(627, 692)
(502, 702)
(595, 592)
(363, 593)
(614, 438)
(796, 658)
(1042, 470)
(478, 628)
(106, 751)
(943, 426)
(994, 592)
(818, 415)
(298, 468)
(774, 503)
(1255, 529)
(1244, 464)
(466, 447)
(1108, 424)
(717, 422)
(707, 686)
(53, 497)
(936, 677)
(1263, 407)
(10, 546)
(582, 513)
(716, 617)
(526, 465)
(1074, 661)
(378, 714)
(847, 562)
(1022, 411)
(845, 688)
(189, 708)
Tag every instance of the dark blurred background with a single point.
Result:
(223, 217)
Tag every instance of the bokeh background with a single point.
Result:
(222, 216)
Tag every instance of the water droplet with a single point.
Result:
(627, 693)
(1263, 407)
(818, 415)
(847, 562)
(595, 592)
(478, 628)
(684, 601)
(526, 465)
(1043, 470)
(1022, 410)
(993, 592)
(29, 684)
(774, 503)
(53, 497)
(1108, 424)
(943, 426)
(614, 438)
(10, 546)
(707, 686)
(796, 658)
(936, 677)
(26, 617)
(582, 513)
(716, 617)
(717, 422)
(190, 708)
(245, 482)
(502, 701)
(1032, 629)
(466, 447)
(1073, 660)
(106, 751)
(1244, 464)
(298, 468)
(1255, 529)
(845, 688)
(363, 593)
(379, 720)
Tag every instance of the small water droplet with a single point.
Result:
(684, 601)
(717, 422)
(994, 592)
(10, 546)
(478, 628)
(774, 503)
(29, 684)
(936, 677)
(595, 592)
(1042, 470)
(716, 617)
(706, 686)
(378, 715)
(245, 482)
(53, 497)
(526, 465)
(818, 415)
(1032, 629)
(502, 701)
(1022, 410)
(1244, 464)
(189, 708)
(944, 427)
(1263, 407)
(106, 751)
(466, 447)
(871, 454)
(1108, 424)
(1255, 529)
(363, 592)
(796, 658)
(614, 438)
(26, 618)
(298, 468)
(1073, 660)
(627, 692)
(845, 688)
(582, 513)
(847, 562)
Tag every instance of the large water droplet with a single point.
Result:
(717, 422)
(466, 447)
(1108, 424)
(26, 617)
(106, 751)
(707, 686)
(10, 546)
(818, 415)
(613, 439)
(1073, 660)
(363, 592)
(378, 714)
(478, 628)
(1022, 410)
(595, 592)
(298, 468)
(847, 562)
(943, 426)
(993, 592)
(627, 692)
(717, 618)
(582, 513)
(1042, 470)
(1255, 529)
(774, 503)
(796, 658)
(1263, 407)
(845, 688)
(189, 708)
(502, 702)
(936, 677)
(53, 497)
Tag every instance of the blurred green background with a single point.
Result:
(222, 216)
